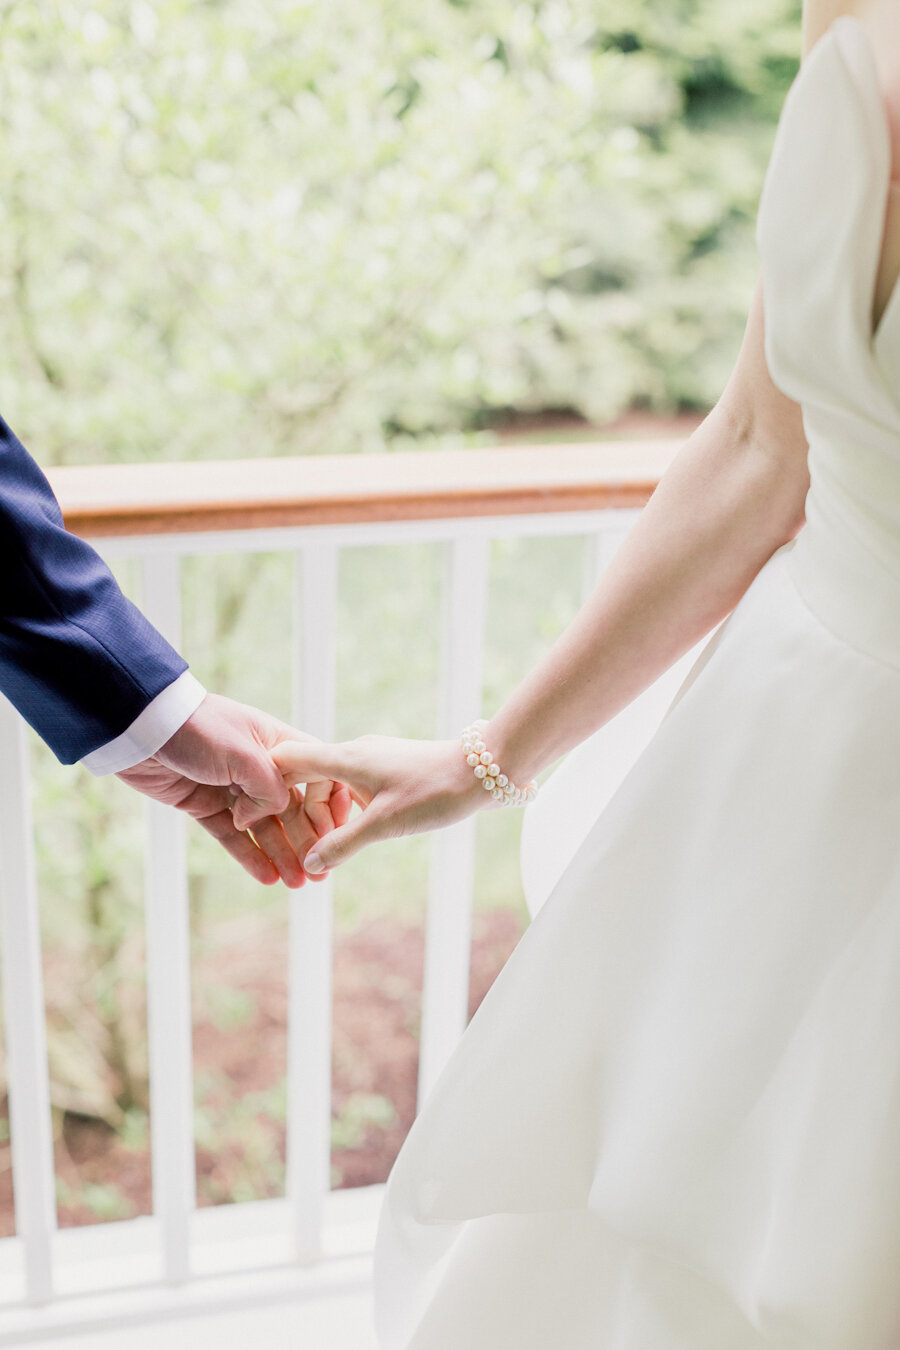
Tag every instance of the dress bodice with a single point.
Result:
(819, 231)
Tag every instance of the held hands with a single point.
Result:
(219, 769)
(403, 787)
(235, 770)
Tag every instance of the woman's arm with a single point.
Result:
(730, 498)
(818, 15)
(734, 493)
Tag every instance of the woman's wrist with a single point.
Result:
(461, 781)
(490, 775)
(516, 754)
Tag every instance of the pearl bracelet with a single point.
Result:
(493, 780)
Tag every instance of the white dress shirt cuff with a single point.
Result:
(150, 729)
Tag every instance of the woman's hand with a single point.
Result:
(326, 806)
(403, 787)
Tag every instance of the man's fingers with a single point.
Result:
(318, 806)
(264, 790)
(341, 804)
(199, 800)
(299, 829)
(248, 810)
(271, 838)
(241, 847)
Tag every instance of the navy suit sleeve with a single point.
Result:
(77, 659)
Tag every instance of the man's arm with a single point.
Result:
(99, 684)
(77, 659)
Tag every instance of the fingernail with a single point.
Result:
(313, 864)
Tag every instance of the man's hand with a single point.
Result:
(218, 768)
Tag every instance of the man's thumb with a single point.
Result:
(265, 792)
(334, 848)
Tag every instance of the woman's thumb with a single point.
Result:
(334, 848)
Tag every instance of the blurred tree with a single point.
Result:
(239, 228)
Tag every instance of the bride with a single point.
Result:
(674, 1121)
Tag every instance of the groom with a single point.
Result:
(99, 684)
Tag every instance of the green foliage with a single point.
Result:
(362, 1113)
(89, 849)
(239, 1136)
(135, 1130)
(361, 1110)
(227, 1008)
(238, 228)
(105, 1202)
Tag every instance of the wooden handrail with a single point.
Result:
(143, 499)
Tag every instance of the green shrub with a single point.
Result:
(236, 229)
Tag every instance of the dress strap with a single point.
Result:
(820, 226)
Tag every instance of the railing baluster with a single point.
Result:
(448, 928)
(310, 943)
(23, 999)
(169, 1026)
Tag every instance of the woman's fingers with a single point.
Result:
(325, 807)
(315, 762)
(299, 829)
(333, 849)
(334, 779)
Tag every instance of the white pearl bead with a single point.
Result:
(488, 771)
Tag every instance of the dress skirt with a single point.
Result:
(674, 1121)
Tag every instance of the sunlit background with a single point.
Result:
(240, 228)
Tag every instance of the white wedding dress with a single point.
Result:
(674, 1121)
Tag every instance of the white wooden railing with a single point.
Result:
(182, 1258)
